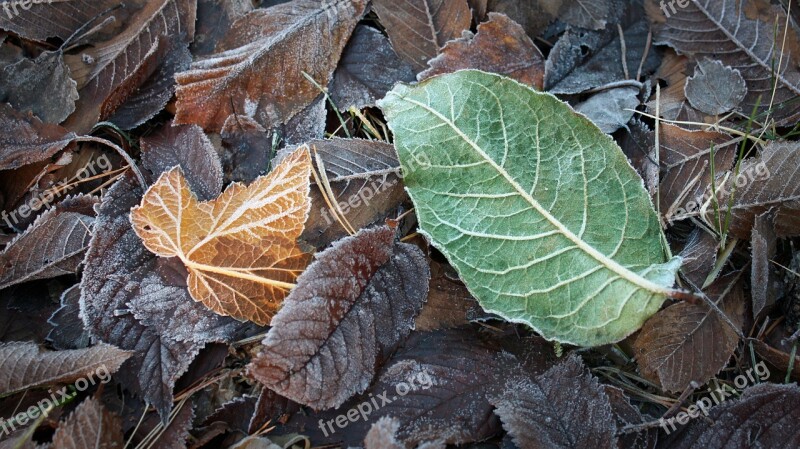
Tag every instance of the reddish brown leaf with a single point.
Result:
(52, 246)
(258, 68)
(418, 29)
(90, 426)
(27, 140)
(449, 302)
(500, 46)
(349, 311)
(689, 342)
(25, 365)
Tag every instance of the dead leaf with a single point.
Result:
(611, 109)
(68, 331)
(764, 416)
(368, 69)
(24, 365)
(768, 181)
(39, 20)
(42, 86)
(214, 18)
(383, 435)
(689, 342)
(752, 45)
(90, 426)
(27, 140)
(52, 246)
(240, 249)
(109, 72)
(699, 256)
(418, 29)
(449, 302)
(629, 415)
(764, 246)
(500, 46)
(349, 311)
(715, 88)
(564, 407)
(283, 41)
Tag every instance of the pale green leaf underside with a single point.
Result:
(538, 210)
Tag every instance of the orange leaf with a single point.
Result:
(240, 249)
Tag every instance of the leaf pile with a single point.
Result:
(399, 224)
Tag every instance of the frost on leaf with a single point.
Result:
(52, 246)
(89, 426)
(349, 310)
(564, 407)
(240, 249)
(258, 69)
(25, 365)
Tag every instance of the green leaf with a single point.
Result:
(539, 211)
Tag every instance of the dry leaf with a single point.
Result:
(350, 309)
(39, 20)
(762, 273)
(90, 426)
(418, 29)
(25, 365)
(26, 139)
(240, 249)
(699, 256)
(52, 246)
(42, 86)
(715, 88)
(258, 68)
(500, 46)
(689, 342)
(68, 331)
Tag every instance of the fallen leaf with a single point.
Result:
(500, 46)
(418, 29)
(611, 109)
(275, 41)
(39, 20)
(579, 219)
(52, 246)
(764, 246)
(42, 86)
(768, 181)
(109, 72)
(90, 426)
(214, 18)
(383, 435)
(449, 302)
(24, 365)
(688, 342)
(723, 30)
(715, 88)
(626, 415)
(762, 417)
(240, 249)
(699, 256)
(564, 407)
(349, 311)
(68, 331)
(685, 160)
(27, 140)
(368, 69)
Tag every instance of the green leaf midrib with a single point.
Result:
(602, 259)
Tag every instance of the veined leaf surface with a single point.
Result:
(539, 211)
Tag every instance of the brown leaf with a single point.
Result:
(39, 20)
(258, 68)
(90, 426)
(764, 416)
(686, 166)
(383, 435)
(629, 415)
(726, 30)
(52, 246)
(364, 178)
(418, 29)
(368, 69)
(25, 365)
(42, 86)
(214, 18)
(174, 435)
(68, 331)
(689, 342)
(764, 246)
(673, 105)
(27, 140)
(240, 249)
(699, 256)
(108, 73)
(349, 310)
(564, 407)
(769, 181)
(449, 302)
(500, 46)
